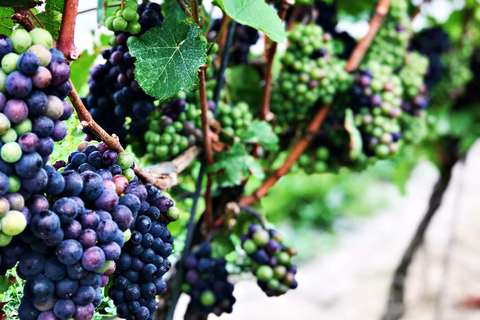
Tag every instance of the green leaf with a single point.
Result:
(256, 14)
(51, 20)
(222, 245)
(56, 5)
(80, 71)
(20, 4)
(235, 165)
(244, 84)
(168, 58)
(6, 22)
(261, 132)
(5, 283)
(356, 144)
(172, 9)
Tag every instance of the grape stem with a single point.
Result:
(314, 126)
(36, 18)
(207, 143)
(375, 23)
(22, 17)
(267, 88)
(184, 8)
(86, 121)
(297, 150)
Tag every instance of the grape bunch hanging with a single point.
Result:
(116, 101)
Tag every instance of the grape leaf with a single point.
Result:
(256, 14)
(261, 132)
(244, 84)
(20, 4)
(51, 20)
(235, 165)
(6, 22)
(168, 58)
(56, 5)
(172, 9)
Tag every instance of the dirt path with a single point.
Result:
(351, 283)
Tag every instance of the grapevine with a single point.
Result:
(186, 93)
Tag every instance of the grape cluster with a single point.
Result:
(71, 245)
(390, 44)
(125, 19)
(376, 100)
(116, 101)
(244, 38)
(33, 86)
(412, 75)
(174, 127)
(144, 259)
(432, 42)
(271, 260)
(206, 282)
(234, 120)
(310, 72)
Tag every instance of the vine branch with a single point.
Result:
(267, 88)
(352, 64)
(65, 42)
(375, 23)
(296, 152)
(395, 305)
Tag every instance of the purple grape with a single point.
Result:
(112, 250)
(64, 309)
(67, 111)
(18, 84)
(43, 126)
(122, 216)
(93, 259)
(59, 131)
(28, 142)
(45, 146)
(5, 45)
(16, 110)
(60, 71)
(42, 78)
(28, 63)
(69, 252)
(72, 230)
(89, 220)
(109, 157)
(36, 183)
(73, 184)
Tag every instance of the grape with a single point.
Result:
(9, 62)
(18, 84)
(11, 152)
(64, 309)
(69, 252)
(21, 40)
(13, 223)
(60, 72)
(41, 37)
(54, 108)
(214, 295)
(274, 270)
(42, 53)
(16, 110)
(28, 63)
(5, 46)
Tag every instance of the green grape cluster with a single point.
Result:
(234, 120)
(412, 76)
(389, 46)
(168, 134)
(126, 19)
(309, 73)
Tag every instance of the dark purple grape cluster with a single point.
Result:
(206, 282)
(115, 95)
(74, 240)
(271, 260)
(33, 86)
(327, 18)
(244, 38)
(432, 42)
(144, 260)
